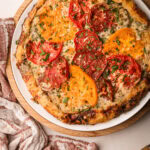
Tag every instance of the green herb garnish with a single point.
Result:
(118, 42)
(144, 50)
(65, 100)
(114, 68)
(46, 58)
(117, 49)
(98, 69)
(17, 42)
(124, 77)
(42, 52)
(116, 11)
(32, 52)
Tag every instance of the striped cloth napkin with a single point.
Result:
(19, 131)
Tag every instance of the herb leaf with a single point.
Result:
(46, 58)
(144, 50)
(65, 100)
(42, 52)
(114, 68)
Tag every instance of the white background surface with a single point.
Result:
(132, 138)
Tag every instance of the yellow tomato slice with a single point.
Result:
(80, 92)
(54, 26)
(124, 41)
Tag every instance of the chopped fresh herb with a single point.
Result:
(56, 5)
(102, 7)
(117, 49)
(50, 25)
(65, 100)
(131, 20)
(103, 40)
(83, 55)
(124, 77)
(46, 58)
(79, 110)
(40, 36)
(42, 52)
(68, 88)
(105, 29)
(93, 2)
(72, 62)
(144, 50)
(17, 42)
(106, 53)
(116, 11)
(81, 35)
(88, 66)
(112, 30)
(87, 87)
(67, 50)
(114, 68)
(58, 96)
(32, 52)
(106, 74)
(83, 3)
(70, 75)
(109, 2)
(118, 42)
(98, 69)
(116, 60)
(41, 25)
(75, 16)
(97, 106)
(91, 58)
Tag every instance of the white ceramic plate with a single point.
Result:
(39, 109)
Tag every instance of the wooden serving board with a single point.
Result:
(147, 2)
(45, 122)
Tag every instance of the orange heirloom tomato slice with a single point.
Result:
(124, 42)
(81, 90)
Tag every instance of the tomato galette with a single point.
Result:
(85, 61)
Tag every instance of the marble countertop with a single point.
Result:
(132, 138)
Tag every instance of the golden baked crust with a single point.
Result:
(96, 114)
(134, 11)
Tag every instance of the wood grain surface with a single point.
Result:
(147, 2)
(45, 122)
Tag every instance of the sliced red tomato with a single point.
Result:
(105, 88)
(77, 13)
(92, 63)
(56, 73)
(87, 40)
(123, 69)
(101, 17)
(83, 59)
(43, 53)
